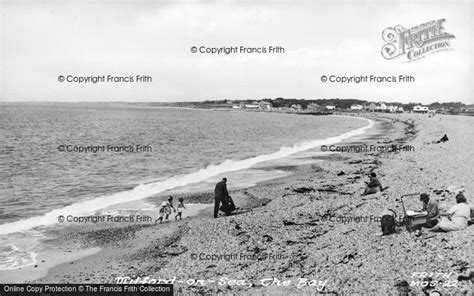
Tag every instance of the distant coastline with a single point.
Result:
(282, 105)
(319, 106)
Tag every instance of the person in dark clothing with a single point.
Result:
(220, 196)
(373, 186)
(443, 139)
(430, 206)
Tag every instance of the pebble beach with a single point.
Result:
(281, 241)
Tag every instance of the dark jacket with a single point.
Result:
(374, 183)
(432, 209)
(221, 190)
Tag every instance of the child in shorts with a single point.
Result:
(169, 207)
(180, 208)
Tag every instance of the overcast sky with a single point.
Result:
(42, 39)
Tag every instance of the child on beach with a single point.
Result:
(163, 212)
(180, 208)
(169, 206)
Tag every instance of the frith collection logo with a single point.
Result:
(417, 42)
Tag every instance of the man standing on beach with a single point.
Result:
(220, 195)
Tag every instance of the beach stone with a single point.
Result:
(176, 250)
(349, 255)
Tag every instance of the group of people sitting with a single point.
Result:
(456, 218)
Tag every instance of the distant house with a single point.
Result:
(381, 107)
(296, 107)
(252, 106)
(372, 107)
(420, 109)
(316, 107)
(469, 109)
(356, 107)
(392, 108)
(330, 107)
(237, 107)
(265, 105)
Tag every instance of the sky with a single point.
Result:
(41, 40)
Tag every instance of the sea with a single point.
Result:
(59, 159)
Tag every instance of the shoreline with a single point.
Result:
(241, 196)
(282, 219)
(46, 259)
(50, 217)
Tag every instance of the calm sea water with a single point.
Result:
(185, 146)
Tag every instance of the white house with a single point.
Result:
(392, 108)
(252, 106)
(381, 107)
(296, 107)
(265, 105)
(420, 109)
(356, 107)
(331, 107)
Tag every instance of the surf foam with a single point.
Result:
(12, 257)
(88, 207)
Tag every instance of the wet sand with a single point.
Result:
(279, 233)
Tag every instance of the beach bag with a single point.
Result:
(388, 222)
(227, 205)
(231, 204)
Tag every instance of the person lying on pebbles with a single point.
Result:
(443, 139)
(456, 217)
